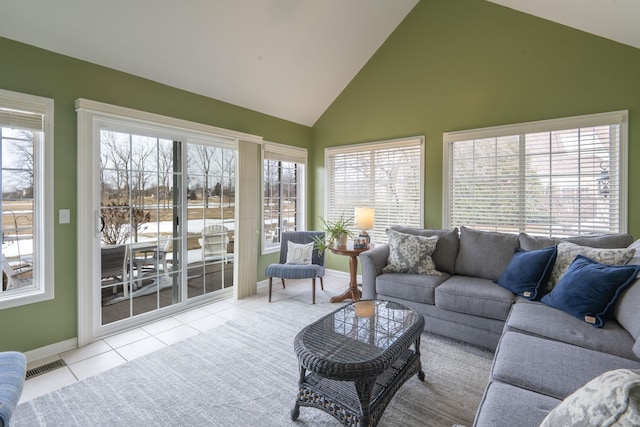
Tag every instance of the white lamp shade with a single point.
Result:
(364, 218)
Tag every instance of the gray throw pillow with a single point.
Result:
(410, 254)
(611, 399)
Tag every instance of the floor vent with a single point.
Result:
(45, 368)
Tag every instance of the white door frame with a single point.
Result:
(91, 116)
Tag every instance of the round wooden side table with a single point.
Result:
(352, 292)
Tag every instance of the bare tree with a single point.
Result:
(228, 171)
(202, 159)
(143, 150)
(165, 168)
(120, 221)
(115, 155)
(21, 174)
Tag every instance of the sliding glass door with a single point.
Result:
(211, 211)
(140, 232)
(149, 257)
(157, 220)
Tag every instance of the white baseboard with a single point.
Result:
(49, 353)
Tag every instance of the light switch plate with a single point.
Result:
(64, 216)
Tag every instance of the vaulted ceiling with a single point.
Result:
(286, 58)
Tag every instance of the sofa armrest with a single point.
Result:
(373, 261)
(13, 367)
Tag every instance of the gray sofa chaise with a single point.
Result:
(542, 354)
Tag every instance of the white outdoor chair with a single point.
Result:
(154, 258)
(214, 241)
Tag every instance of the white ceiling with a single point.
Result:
(286, 58)
(614, 19)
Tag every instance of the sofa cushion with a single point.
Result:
(626, 313)
(550, 367)
(444, 257)
(612, 398)
(528, 272)
(604, 241)
(409, 253)
(504, 405)
(472, 295)
(13, 367)
(589, 289)
(568, 251)
(621, 240)
(626, 310)
(484, 254)
(536, 318)
(413, 287)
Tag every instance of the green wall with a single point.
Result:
(450, 65)
(35, 71)
(464, 64)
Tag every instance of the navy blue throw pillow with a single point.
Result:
(589, 289)
(528, 272)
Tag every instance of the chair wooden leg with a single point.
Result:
(270, 284)
(282, 283)
(321, 284)
(313, 290)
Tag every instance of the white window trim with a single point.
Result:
(621, 117)
(43, 205)
(286, 153)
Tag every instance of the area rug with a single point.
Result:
(245, 373)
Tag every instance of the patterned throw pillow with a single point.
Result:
(567, 252)
(612, 399)
(298, 253)
(409, 253)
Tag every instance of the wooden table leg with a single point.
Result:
(353, 292)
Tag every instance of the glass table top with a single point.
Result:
(359, 332)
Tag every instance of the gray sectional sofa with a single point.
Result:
(542, 354)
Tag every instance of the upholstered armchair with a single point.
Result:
(302, 264)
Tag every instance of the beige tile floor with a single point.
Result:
(117, 349)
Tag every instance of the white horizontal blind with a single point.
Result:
(386, 176)
(284, 153)
(21, 120)
(560, 182)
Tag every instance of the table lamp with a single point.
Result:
(364, 221)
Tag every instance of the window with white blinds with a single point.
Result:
(26, 201)
(386, 176)
(283, 182)
(559, 178)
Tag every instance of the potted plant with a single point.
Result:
(336, 233)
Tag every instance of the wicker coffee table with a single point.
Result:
(357, 358)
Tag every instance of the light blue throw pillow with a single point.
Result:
(589, 289)
(528, 272)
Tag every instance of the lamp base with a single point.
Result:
(362, 241)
